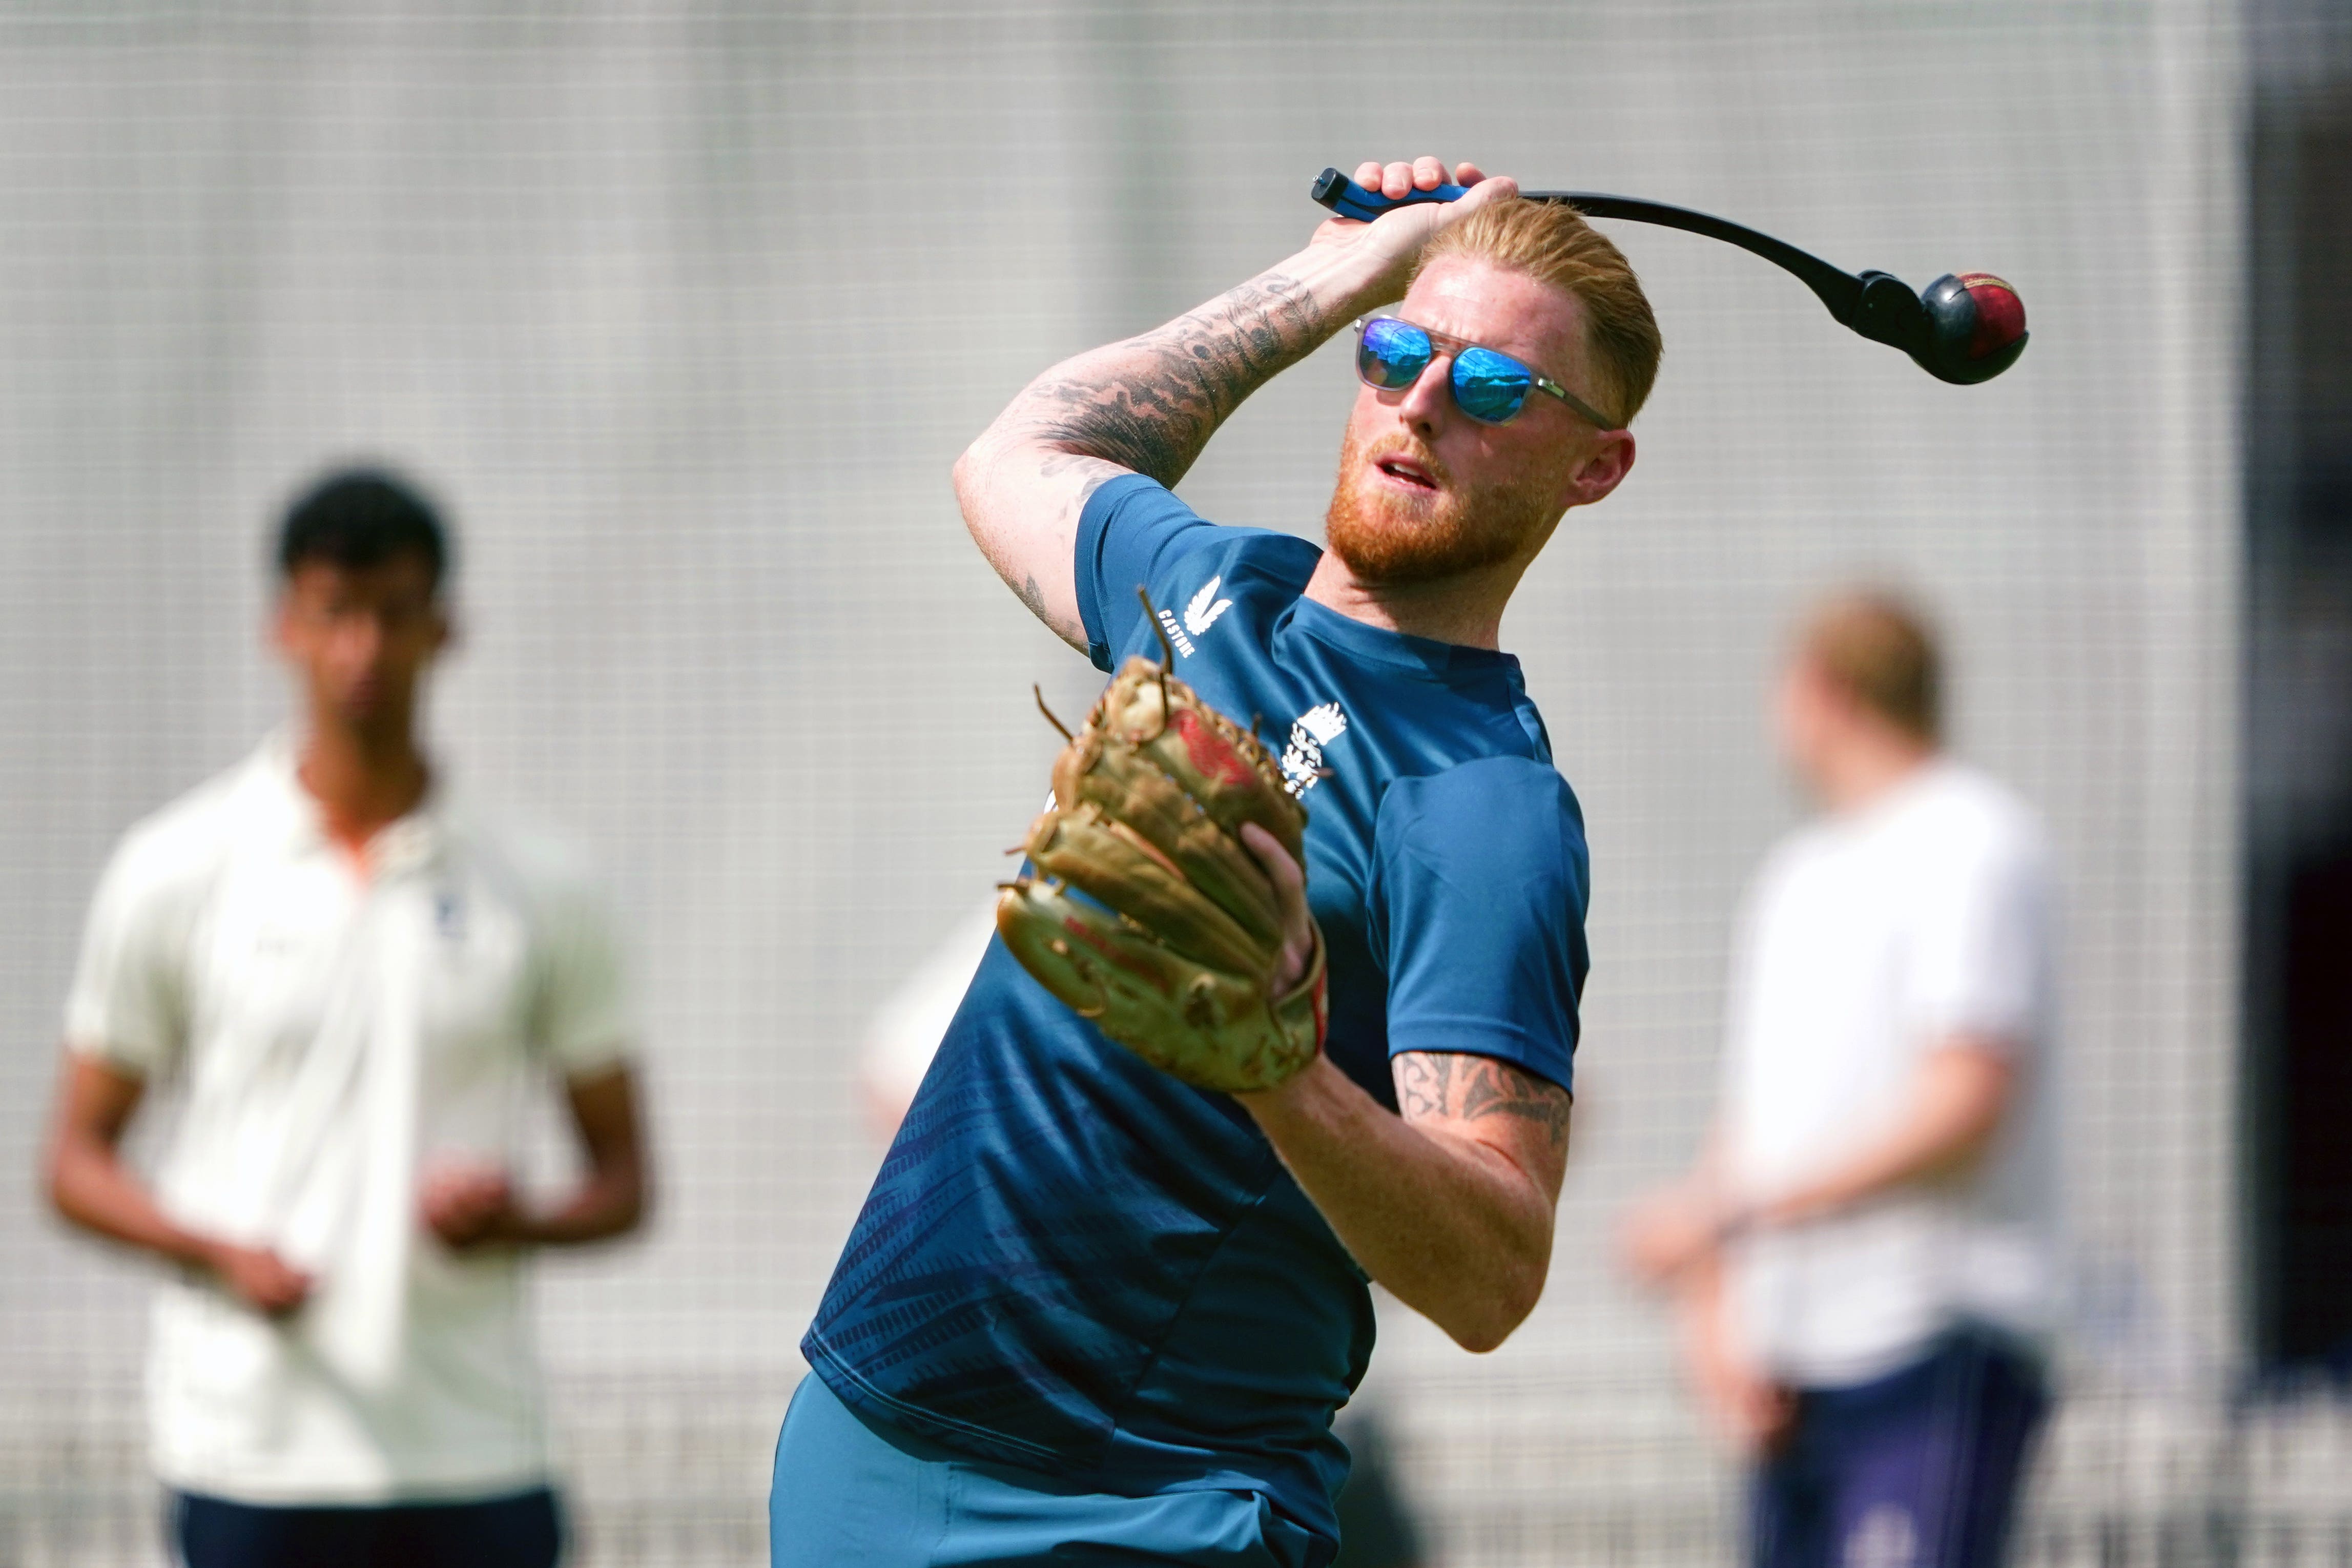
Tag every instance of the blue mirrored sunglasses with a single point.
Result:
(1489, 387)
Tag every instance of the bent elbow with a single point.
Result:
(1494, 1320)
(1480, 1340)
(58, 1188)
(1486, 1333)
(966, 477)
(637, 1210)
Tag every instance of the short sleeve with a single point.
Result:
(1130, 527)
(585, 1022)
(1481, 883)
(1977, 961)
(128, 1007)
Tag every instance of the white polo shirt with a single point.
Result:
(1868, 940)
(336, 1032)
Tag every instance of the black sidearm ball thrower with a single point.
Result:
(1963, 329)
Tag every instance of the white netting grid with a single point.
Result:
(687, 311)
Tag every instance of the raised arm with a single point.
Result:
(1149, 405)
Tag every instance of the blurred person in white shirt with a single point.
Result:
(1864, 1252)
(355, 980)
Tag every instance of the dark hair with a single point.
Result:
(359, 518)
(1877, 648)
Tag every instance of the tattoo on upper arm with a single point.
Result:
(1146, 406)
(1156, 419)
(1070, 628)
(1465, 1088)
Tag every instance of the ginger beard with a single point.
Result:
(1399, 535)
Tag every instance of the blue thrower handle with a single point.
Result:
(1349, 199)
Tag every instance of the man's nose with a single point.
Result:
(363, 639)
(1424, 402)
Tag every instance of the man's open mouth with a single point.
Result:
(1406, 471)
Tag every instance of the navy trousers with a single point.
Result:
(1916, 1470)
(525, 1531)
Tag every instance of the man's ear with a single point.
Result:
(1603, 470)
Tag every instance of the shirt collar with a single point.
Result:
(1400, 650)
(415, 839)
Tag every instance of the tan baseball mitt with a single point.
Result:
(1175, 948)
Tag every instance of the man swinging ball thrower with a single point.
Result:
(1092, 1311)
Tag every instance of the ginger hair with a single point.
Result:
(1877, 648)
(1551, 243)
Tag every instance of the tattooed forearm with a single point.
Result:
(1151, 403)
(1465, 1088)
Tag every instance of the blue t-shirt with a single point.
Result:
(1073, 1262)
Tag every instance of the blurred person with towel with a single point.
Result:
(1864, 1252)
(356, 980)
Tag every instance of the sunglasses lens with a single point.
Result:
(1490, 388)
(1392, 355)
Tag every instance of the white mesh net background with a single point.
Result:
(687, 311)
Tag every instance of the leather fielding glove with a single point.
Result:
(1173, 949)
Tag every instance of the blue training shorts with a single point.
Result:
(847, 1490)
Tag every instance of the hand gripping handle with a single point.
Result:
(1349, 199)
